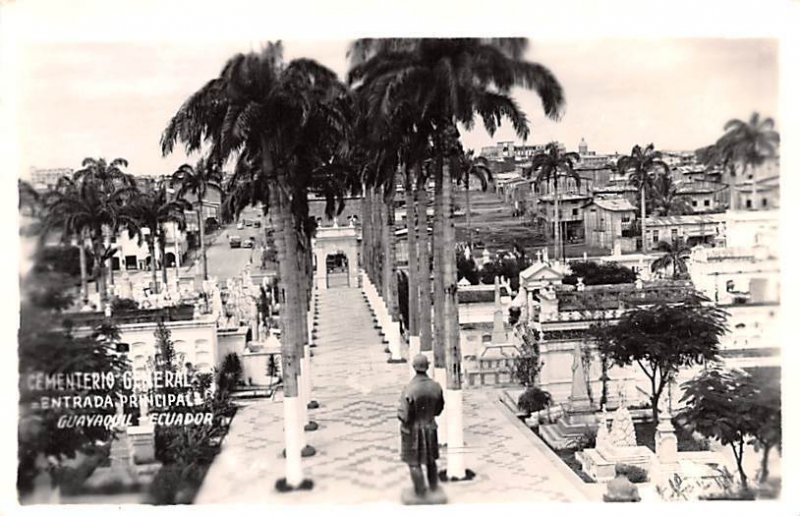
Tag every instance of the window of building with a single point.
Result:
(625, 219)
(674, 234)
(749, 203)
(763, 203)
(707, 202)
(655, 236)
(574, 212)
(694, 204)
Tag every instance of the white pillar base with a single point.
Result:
(293, 432)
(454, 400)
(392, 331)
(440, 375)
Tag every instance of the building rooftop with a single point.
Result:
(614, 204)
(685, 220)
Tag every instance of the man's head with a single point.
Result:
(420, 363)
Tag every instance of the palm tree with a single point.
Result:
(665, 198)
(675, 254)
(749, 144)
(88, 209)
(450, 81)
(108, 177)
(641, 163)
(277, 117)
(551, 165)
(151, 209)
(477, 166)
(198, 180)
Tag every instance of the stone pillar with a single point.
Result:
(498, 329)
(321, 274)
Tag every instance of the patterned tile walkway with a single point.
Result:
(357, 443)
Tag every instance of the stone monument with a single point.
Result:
(499, 335)
(579, 417)
(617, 447)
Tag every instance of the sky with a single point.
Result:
(114, 99)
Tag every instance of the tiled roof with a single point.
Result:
(682, 220)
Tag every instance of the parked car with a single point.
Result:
(240, 225)
(249, 243)
(235, 242)
(248, 223)
(257, 224)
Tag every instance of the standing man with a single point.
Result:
(420, 403)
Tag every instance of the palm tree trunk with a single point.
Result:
(290, 323)
(557, 219)
(202, 230)
(366, 228)
(413, 278)
(424, 273)
(644, 241)
(162, 244)
(753, 189)
(84, 273)
(389, 273)
(439, 345)
(469, 219)
(455, 429)
(151, 248)
(101, 272)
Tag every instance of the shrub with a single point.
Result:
(122, 304)
(594, 273)
(534, 399)
(635, 474)
(588, 439)
(176, 484)
(230, 373)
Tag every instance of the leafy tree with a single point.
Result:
(768, 435)
(528, 364)
(548, 166)
(642, 163)
(48, 348)
(534, 399)
(662, 338)
(594, 273)
(723, 404)
(675, 255)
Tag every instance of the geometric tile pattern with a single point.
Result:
(358, 441)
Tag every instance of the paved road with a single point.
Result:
(225, 262)
(358, 459)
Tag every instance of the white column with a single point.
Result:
(293, 433)
(455, 433)
(440, 375)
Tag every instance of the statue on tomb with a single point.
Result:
(623, 433)
(421, 401)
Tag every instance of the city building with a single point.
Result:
(608, 224)
(706, 229)
(42, 179)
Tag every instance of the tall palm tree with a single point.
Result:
(152, 208)
(642, 163)
(278, 117)
(675, 254)
(198, 180)
(749, 144)
(450, 81)
(108, 177)
(477, 167)
(550, 166)
(86, 209)
(665, 198)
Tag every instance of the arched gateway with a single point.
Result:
(336, 257)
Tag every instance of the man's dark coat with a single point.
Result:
(421, 401)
